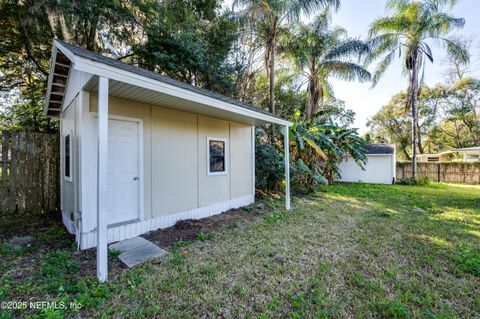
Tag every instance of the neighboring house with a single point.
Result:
(141, 151)
(467, 155)
(380, 168)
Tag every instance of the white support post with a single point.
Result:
(102, 248)
(253, 162)
(287, 168)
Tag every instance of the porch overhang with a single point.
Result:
(182, 101)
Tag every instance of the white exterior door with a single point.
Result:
(123, 171)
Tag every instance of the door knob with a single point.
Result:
(136, 178)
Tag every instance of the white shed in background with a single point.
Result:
(380, 168)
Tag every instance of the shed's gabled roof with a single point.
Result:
(74, 52)
(380, 149)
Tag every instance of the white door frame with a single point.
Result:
(141, 212)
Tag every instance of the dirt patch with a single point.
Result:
(187, 230)
(33, 223)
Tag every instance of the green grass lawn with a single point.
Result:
(349, 250)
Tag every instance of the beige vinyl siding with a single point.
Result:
(241, 160)
(174, 169)
(213, 188)
(175, 157)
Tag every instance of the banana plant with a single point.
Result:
(317, 147)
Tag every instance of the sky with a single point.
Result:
(356, 16)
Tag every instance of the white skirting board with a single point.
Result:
(117, 233)
(68, 223)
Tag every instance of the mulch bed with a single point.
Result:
(188, 230)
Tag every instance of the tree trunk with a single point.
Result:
(308, 101)
(414, 93)
(273, 51)
(419, 139)
(272, 76)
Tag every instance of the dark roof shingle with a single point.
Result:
(380, 149)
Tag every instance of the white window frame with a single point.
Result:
(70, 159)
(219, 139)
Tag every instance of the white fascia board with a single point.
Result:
(50, 79)
(65, 51)
(100, 69)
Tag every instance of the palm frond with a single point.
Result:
(394, 24)
(347, 71)
(441, 23)
(456, 49)
(397, 4)
(348, 48)
(383, 66)
(298, 7)
(381, 45)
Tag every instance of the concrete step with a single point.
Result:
(137, 250)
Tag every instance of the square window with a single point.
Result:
(216, 156)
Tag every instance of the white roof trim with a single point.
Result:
(100, 69)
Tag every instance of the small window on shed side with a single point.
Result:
(217, 163)
(67, 157)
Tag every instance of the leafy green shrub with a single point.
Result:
(317, 146)
(269, 167)
(320, 145)
(419, 181)
(304, 176)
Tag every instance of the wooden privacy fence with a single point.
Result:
(29, 166)
(449, 172)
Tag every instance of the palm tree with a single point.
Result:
(319, 52)
(408, 32)
(268, 17)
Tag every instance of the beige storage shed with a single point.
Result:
(141, 151)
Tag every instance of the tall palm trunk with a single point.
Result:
(420, 147)
(414, 95)
(273, 51)
(312, 97)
